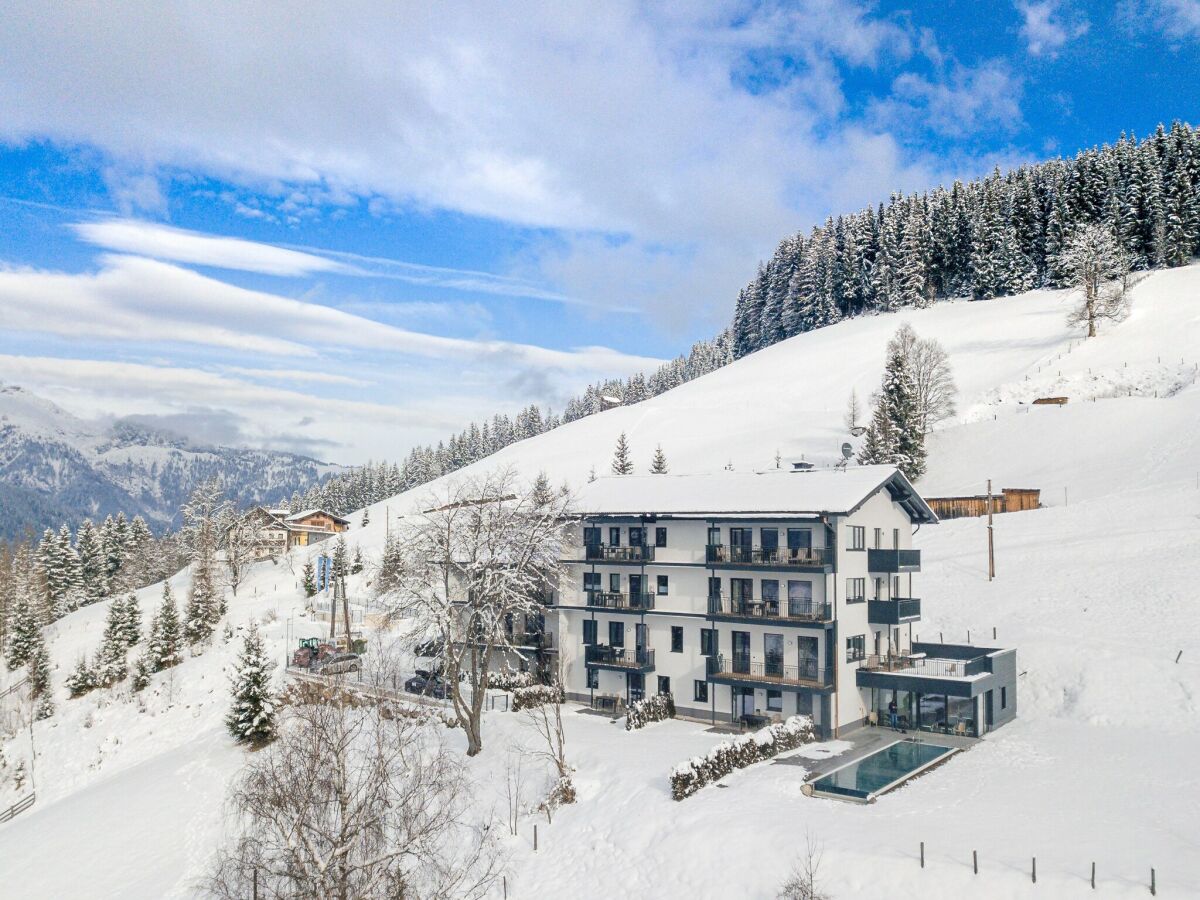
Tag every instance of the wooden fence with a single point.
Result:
(1008, 500)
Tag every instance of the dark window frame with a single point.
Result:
(856, 648)
(708, 641)
(676, 638)
(664, 681)
(858, 538)
(589, 632)
(616, 634)
(662, 585)
(699, 691)
(660, 537)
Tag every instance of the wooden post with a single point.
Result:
(1093, 876)
(255, 888)
(993, 632)
(922, 854)
(1035, 870)
(1153, 885)
(504, 879)
(991, 543)
(535, 837)
(975, 860)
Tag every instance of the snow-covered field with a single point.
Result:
(1096, 591)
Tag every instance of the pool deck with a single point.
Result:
(864, 742)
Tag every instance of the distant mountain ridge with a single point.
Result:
(56, 467)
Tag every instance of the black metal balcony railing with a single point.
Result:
(743, 667)
(930, 667)
(894, 560)
(893, 611)
(539, 640)
(619, 657)
(773, 610)
(615, 600)
(604, 553)
(778, 557)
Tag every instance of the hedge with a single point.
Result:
(509, 680)
(537, 695)
(742, 751)
(652, 709)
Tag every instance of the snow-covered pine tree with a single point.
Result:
(203, 606)
(24, 627)
(91, 561)
(658, 465)
(879, 441)
(341, 561)
(309, 579)
(82, 678)
(356, 563)
(165, 643)
(143, 668)
(131, 619)
(110, 661)
(38, 667)
(895, 435)
(622, 464)
(251, 719)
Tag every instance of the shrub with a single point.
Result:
(652, 709)
(537, 695)
(510, 681)
(742, 751)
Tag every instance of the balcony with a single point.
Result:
(896, 611)
(604, 553)
(894, 561)
(532, 640)
(927, 666)
(611, 600)
(774, 611)
(769, 558)
(619, 659)
(746, 671)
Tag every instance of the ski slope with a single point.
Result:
(1096, 591)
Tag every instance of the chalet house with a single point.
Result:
(751, 596)
(279, 530)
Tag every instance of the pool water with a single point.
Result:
(863, 778)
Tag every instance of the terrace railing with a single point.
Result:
(743, 667)
(932, 667)
(770, 610)
(770, 557)
(619, 657)
(605, 553)
(616, 600)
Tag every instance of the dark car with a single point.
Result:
(428, 684)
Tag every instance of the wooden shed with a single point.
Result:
(1008, 500)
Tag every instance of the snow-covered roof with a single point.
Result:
(304, 514)
(776, 493)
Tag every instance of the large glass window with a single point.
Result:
(773, 654)
(664, 684)
(589, 631)
(858, 537)
(593, 679)
(614, 537)
(676, 638)
(708, 641)
(635, 536)
(591, 581)
(700, 691)
(614, 582)
(662, 585)
(774, 700)
(799, 538)
(591, 536)
(660, 537)
(856, 590)
(616, 634)
(856, 648)
(800, 598)
(770, 540)
(770, 596)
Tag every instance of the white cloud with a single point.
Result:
(302, 375)
(612, 119)
(1044, 29)
(178, 245)
(956, 102)
(1174, 18)
(132, 299)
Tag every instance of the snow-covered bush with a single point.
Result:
(510, 680)
(652, 709)
(742, 751)
(537, 695)
(81, 680)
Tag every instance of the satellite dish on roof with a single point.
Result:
(847, 450)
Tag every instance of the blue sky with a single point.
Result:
(355, 230)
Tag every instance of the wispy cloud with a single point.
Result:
(314, 376)
(1047, 27)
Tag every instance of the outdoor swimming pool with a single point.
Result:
(866, 778)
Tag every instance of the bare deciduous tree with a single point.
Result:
(242, 531)
(1099, 268)
(851, 417)
(802, 883)
(546, 720)
(933, 381)
(353, 803)
(476, 565)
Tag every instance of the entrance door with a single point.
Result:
(807, 647)
(743, 702)
(800, 598)
(741, 592)
(640, 640)
(741, 542)
(741, 652)
(770, 543)
(635, 590)
(987, 703)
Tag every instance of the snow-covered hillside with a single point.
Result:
(56, 467)
(1095, 591)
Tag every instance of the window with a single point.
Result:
(769, 589)
(799, 538)
(856, 590)
(700, 691)
(660, 537)
(614, 582)
(637, 685)
(714, 536)
(662, 585)
(614, 537)
(635, 536)
(593, 679)
(858, 537)
(804, 703)
(591, 581)
(589, 631)
(878, 588)
(769, 538)
(708, 640)
(1004, 698)
(676, 638)
(774, 701)
(856, 648)
(591, 536)
(616, 634)
(664, 684)
(714, 586)
(878, 539)
(895, 538)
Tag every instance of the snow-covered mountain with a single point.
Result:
(56, 467)
(1095, 590)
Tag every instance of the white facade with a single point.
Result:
(757, 606)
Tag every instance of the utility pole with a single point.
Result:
(991, 542)
(345, 610)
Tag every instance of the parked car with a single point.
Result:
(338, 664)
(428, 684)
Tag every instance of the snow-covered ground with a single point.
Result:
(1096, 591)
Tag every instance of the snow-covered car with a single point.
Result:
(428, 684)
(339, 663)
